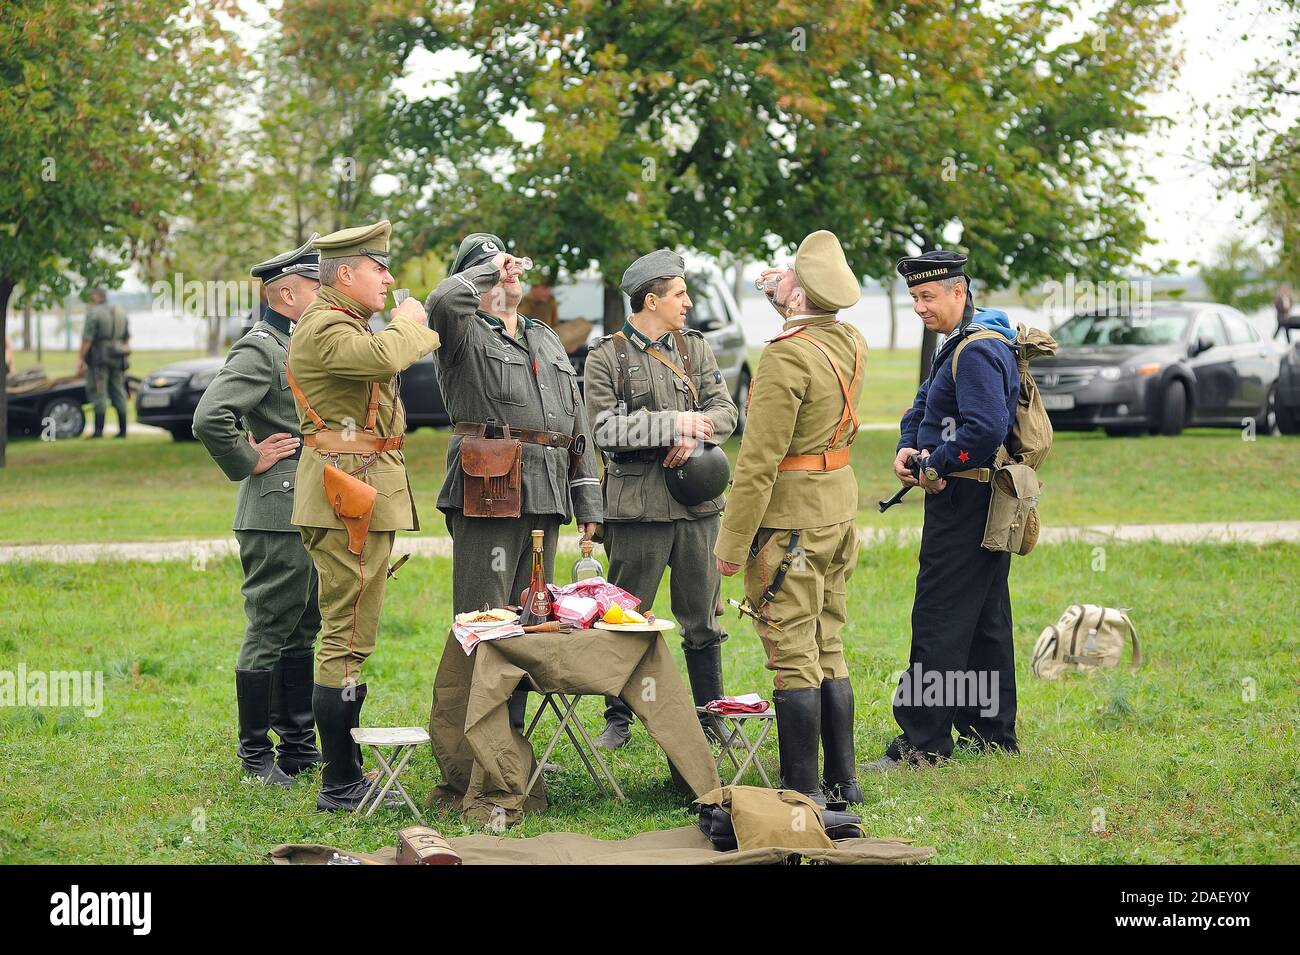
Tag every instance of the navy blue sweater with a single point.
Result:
(981, 403)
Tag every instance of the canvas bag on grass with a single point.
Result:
(1086, 639)
(1012, 523)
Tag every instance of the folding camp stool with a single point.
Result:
(737, 740)
(581, 742)
(403, 740)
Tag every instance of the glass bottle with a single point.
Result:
(537, 602)
(587, 566)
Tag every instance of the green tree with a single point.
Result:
(1241, 275)
(734, 127)
(102, 104)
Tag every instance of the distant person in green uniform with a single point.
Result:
(105, 348)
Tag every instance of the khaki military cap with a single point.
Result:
(371, 240)
(824, 273)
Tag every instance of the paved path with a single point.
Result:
(1249, 532)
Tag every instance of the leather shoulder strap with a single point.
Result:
(849, 414)
(679, 338)
(372, 409)
(982, 335)
(623, 357)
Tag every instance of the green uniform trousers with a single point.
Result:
(810, 606)
(491, 560)
(640, 552)
(106, 384)
(351, 598)
(279, 598)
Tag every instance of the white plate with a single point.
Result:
(659, 624)
(1058, 402)
(489, 624)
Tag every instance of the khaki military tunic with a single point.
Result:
(796, 404)
(250, 394)
(334, 357)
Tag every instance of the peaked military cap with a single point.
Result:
(931, 267)
(371, 240)
(475, 249)
(824, 272)
(659, 264)
(304, 260)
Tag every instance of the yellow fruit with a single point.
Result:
(614, 614)
(631, 616)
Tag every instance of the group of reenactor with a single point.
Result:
(307, 415)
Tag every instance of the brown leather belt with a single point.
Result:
(826, 461)
(548, 439)
(356, 442)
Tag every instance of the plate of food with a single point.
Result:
(629, 621)
(486, 619)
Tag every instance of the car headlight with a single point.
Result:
(202, 379)
(1110, 374)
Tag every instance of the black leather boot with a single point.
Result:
(343, 785)
(839, 776)
(798, 731)
(517, 707)
(618, 725)
(704, 670)
(291, 715)
(121, 422)
(99, 424)
(253, 693)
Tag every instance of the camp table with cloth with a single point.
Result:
(488, 765)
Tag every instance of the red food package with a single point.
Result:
(600, 590)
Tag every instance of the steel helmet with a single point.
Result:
(703, 477)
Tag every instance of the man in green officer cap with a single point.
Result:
(500, 370)
(344, 378)
(654, 394)
(105, 349)
(790, 516)
(248, 422)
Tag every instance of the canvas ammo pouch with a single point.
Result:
(1012, 523)
(492, 471)
(1085, 639)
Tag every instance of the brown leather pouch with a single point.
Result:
(492, 469)
(353, 501)
(420, 845)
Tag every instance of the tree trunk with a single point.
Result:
(27, 326)
(737, 279)
(613, 309)
(893, 314)
(929, 340)
(6, 290)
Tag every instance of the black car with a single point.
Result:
(169, 395)
(50, 407)
(1174, 365)
(1288, 392)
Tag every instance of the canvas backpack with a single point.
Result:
(1086, 639)
(1013, 523)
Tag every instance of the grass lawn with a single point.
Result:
(1190, 760)
(148, 488)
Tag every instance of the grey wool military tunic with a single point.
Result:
(252, 390)
(485, 374)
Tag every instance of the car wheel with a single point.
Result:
(1288, 420)
(1173, 409)
(66, 415)
(742, 401)
(181, 432)
(1266, 420)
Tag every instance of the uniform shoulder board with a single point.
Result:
(784, 335)
(260, 333)
(601, 340)
(692, 333)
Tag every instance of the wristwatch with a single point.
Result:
(931, 474)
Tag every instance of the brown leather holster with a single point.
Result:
(353, 501)
(492, 470)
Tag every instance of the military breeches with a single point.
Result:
(491, 561)
(961, 669)
(351, 598)
(810, 605)
(279, 598)
(105, 385)
(640, 552)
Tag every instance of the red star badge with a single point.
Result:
(963, 457)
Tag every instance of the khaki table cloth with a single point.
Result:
(486, 763)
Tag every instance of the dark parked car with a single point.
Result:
(35, 400)
(1288, 392)
(169, 395)
(1177, 365)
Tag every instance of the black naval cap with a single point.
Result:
(475, 249)
(304, 260)
(933, 266)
